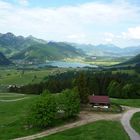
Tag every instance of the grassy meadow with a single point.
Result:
(135, 122)
(20, 77)
(127, 102)
(13, 115)
(13, 123)
(131, 72)
(100, 130)
(99, 62)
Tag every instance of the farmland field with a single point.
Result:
(20, 77)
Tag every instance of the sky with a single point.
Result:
(80, 21)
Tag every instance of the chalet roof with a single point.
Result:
(99, 99)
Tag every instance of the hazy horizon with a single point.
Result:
(75, 42)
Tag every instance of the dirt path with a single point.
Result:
(125, 120)
(14, 100)
(88, 117)
(85, 118)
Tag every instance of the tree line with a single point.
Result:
(114, 84)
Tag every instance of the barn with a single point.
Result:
(99, 101)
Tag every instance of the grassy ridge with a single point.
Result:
(100, 130)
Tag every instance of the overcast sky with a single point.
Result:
(80, 21)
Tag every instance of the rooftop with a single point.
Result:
(99, 99)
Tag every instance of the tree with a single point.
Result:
(46, 92)
(69, 102)
(126, 91)
(82, 87)
(114, 89)
(46, 109)
(132, 90)
(43, 111)
(137, 67)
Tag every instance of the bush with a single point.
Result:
(69, 102)
(47, 108)
(114, 89)
(43, 111)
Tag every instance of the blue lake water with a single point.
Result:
(63, 64)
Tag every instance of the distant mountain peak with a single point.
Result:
(30, 36)
(9, 34)
(108, 45)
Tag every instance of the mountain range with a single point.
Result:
(108, 50)
(31, 49)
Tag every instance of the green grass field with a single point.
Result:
(127, 102)
(19, 77)
(100, 62)
(135, 122)
(100, 130)
(12, 116)
(131, 72)
(12, 96)
(13, 122)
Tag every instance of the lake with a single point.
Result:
(63, 64)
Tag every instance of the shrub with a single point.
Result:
(43, 111)
(46, 92)
(114, 89)
(69, 102)
(46, 109)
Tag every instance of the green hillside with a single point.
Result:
(133, 61)
(33, 49)
(49, 51)
(4, 60)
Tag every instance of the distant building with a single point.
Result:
(99, 101)
(93, 57)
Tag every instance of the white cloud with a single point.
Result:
(23, 2)
(109, 37)
(132, 33)
(81, 23)
(77, 37)
(5, 5)
(131, 37)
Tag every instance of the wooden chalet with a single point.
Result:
(99, 101)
